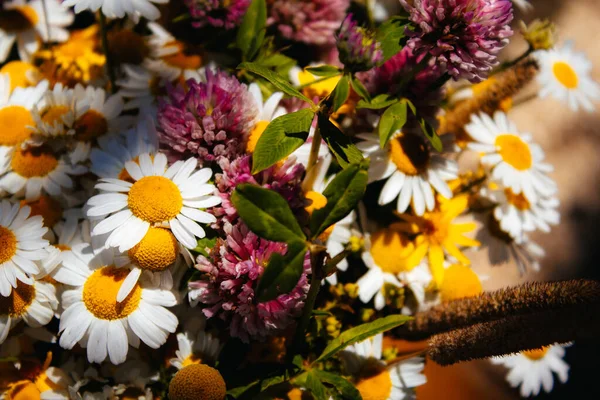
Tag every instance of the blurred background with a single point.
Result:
(572, 144)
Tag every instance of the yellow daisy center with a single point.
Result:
(182, 59)
(50, 209)
(318, 89)
(8, 244)
(54, 114)
(317, 201)
(565, 74)
(197, 381)
(34, 162)
(156, 251)
(483, 87)
(191, 359)
(132, 393)
(389, 249)
(23, 390)
(295, 394)
(256, 133)
(459, 281)
(155, 199)
(409, 153)
(376, 387)
(100, 294)
(517, 200)
(18, 19)
(18, 72)
(15, 123)
(536, 354)
(90, 125)
(514, 151)
(18, 301)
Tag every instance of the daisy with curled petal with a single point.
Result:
(268, 110)
(35, 304)
(195, 346)
(438, 234)
(37, 170)
(57, 112)
(159, 196)
(24, 21)
(565, 74)
(21, 245)
(412, 169)
(533, 370)
(514, 160)
(377, 380)
(119, 8)
(517, 214)
(95, 319)
(387, 253)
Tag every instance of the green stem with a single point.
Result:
(109, 61)
(509, 64)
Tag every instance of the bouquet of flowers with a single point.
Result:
(248, 199)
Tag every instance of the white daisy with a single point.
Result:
(419, 280)
(111, 155)
(158, 197)
(24, 21)
(16, 118)
(57, 112)
(566, 75)
(97, 321)
(21, 245)
(518, 215)
(37, 169)
(375, 379)
(412, 169)
(118, 8)
(267, 111)
(34, 304)
(69, 233)
(513, 158)
(141, 87)
(44, 383)
(195, 346)
(523, 5)
(532, 370)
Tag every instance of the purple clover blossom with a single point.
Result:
(210, 120)
(218, 13)
(358, 49)
(464, 36)
(231, 276)
(285, 179)
(308, 21)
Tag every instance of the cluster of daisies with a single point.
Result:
(125, 129)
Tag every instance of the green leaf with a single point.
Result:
(341, 145)
(389, 35)
(309, 381)
(392, 120)
(346, 389)
(282, 273)
(283, 135)
(343, 194)
(430, 133)
(277, 80)
(324, 70)
(377, 103)
(251, 34)
(266, 213)
(340, 93)
(203, 244)
(359, 88)
(360, 333)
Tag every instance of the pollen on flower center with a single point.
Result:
(8, 244)
(517, 200)
(181, 59)
(90, 125)
(565, 74)
(459, 281)
(376, 387)
(18, 19)
(197, 381)
(100, 294)
(256, 133)
(18, 301)
(34, 162)
(317, 201)
(514, 151)
(14, 125)
(155, 199)
(19, 73)
(50, 209)
(156, 251)
(409, 153)
(389, 249)
(536, 354)
(54, 114)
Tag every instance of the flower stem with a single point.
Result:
(509, 64)
(109, 62)
(312, 159)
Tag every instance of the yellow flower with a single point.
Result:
(197, 381)
(437, 233)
